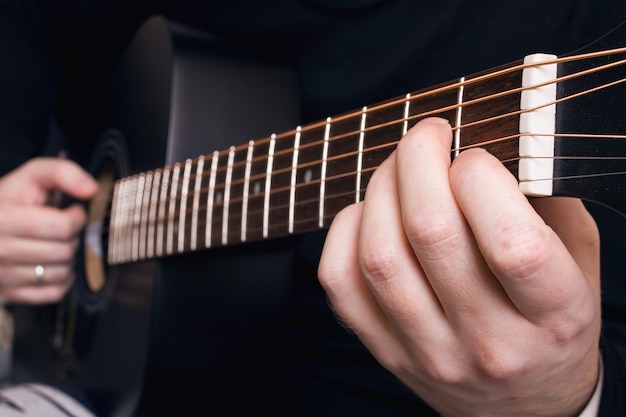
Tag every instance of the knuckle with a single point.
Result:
(395, 364)
(521, 251)
(436, 234)
(500, 363)
(578, 323)
(331, 275)
(448, 371)
(381, 262)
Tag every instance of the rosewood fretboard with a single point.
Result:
(297, 181)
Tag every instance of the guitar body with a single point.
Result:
(185, 333)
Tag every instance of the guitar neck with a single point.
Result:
(297, 181)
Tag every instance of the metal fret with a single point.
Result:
(459, 111)
(152, 215)
(161, 214)
(294, 177)
(196, 203)
(182, 216)
(359, 163)
(145, 206)
(407, 108)
(323, 173)
(227, 183)
(169, 248)
(246, 192)
(140, 182)
(124, 223)
(209, 210)
(113, 255)
(268, 185)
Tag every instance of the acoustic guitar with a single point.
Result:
(171, 235)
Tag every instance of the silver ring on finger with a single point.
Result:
(39, 273)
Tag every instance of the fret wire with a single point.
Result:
(119, 185)
(169, 248)
(323, 172)
(184, 192)
(359, 164)
(113, 254)
(139, 182)
(130, 226)
(161, 213)
(246, 191)
(124, 223)
(492, 75)
(145, 206)
(225, 208)
(452, 107)
(456, 85)
(459, 111)
(407, 103)
(407, 109)
(294, 177)
(120, 219)
(152, 215)
(486, 77)
(209, 211)
(373, 168)
(268, 185)
(196, 202)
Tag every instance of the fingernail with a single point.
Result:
(436, 120)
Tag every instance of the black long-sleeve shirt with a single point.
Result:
(347, 53)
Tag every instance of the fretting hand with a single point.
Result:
(481, 302)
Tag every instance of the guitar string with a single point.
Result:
(390, 144)
(235, 217)
(289, 134)
(252, 213)
(357, 115)
(491, 75)
(455, 85)
(255, 228)
(394, 143)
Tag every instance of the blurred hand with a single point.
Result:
(481, 303)
(36, 237)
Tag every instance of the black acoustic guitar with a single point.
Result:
(139, 333)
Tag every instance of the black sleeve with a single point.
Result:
(40, 43)
(613, 401)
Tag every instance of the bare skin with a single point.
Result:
(34, 233)
(483, 303)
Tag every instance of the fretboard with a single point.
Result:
(297, 181)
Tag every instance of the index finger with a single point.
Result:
(57, 174)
